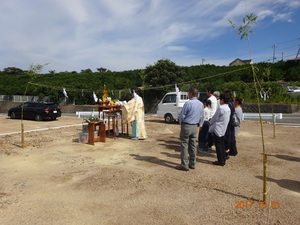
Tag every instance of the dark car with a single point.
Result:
(202, 96)
(36, 110)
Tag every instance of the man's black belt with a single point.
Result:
(189, 123)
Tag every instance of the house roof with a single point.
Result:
(296, 59)
(247, 61)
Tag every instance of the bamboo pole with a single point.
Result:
(274, 125)
(22, 135)
(265, 160)
(33, 70)
(22, 125)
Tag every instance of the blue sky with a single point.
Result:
(71, 35)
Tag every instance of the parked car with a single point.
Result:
(293, 91)
(171, 105)
(36, 110)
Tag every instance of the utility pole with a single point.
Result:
(203, 61)
(274, 47)
(297, 53)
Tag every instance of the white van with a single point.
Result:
(171, 105)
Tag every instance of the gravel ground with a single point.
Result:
(57, 180)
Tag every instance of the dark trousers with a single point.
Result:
(220, 148)
(229, 136)
(210, 140)
(233, 150)
(203, 136)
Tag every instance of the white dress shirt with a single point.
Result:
(214, 105)
(219, 122)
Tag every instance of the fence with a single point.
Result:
(27, 98)
(21, 98)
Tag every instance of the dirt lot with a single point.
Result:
(57, 180)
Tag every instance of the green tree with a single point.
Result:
(86, 71)
(293, 74)
(266, 73)
(13, 71)
(164, 72)
(102, 70)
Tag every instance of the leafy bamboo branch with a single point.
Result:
(244, 31)
(33, 71)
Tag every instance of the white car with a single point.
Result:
(293, 91)
(170, 106)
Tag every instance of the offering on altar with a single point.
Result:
(103, 103)
(108, 103)
(104, 93)
(117, 102)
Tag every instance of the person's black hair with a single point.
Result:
(210, 90)
(228, 95)
(208, 103)
(224, 97)
(133, 90)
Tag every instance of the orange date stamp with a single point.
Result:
(261, 204)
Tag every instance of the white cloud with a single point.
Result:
(122, 35)
(74, 9)
(177, 48)
(282, 17)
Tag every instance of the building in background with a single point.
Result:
(239, 62)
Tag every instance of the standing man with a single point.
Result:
(217, 126)
(189, 119)
(214, 101)
(134, 112)
(213, 108)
